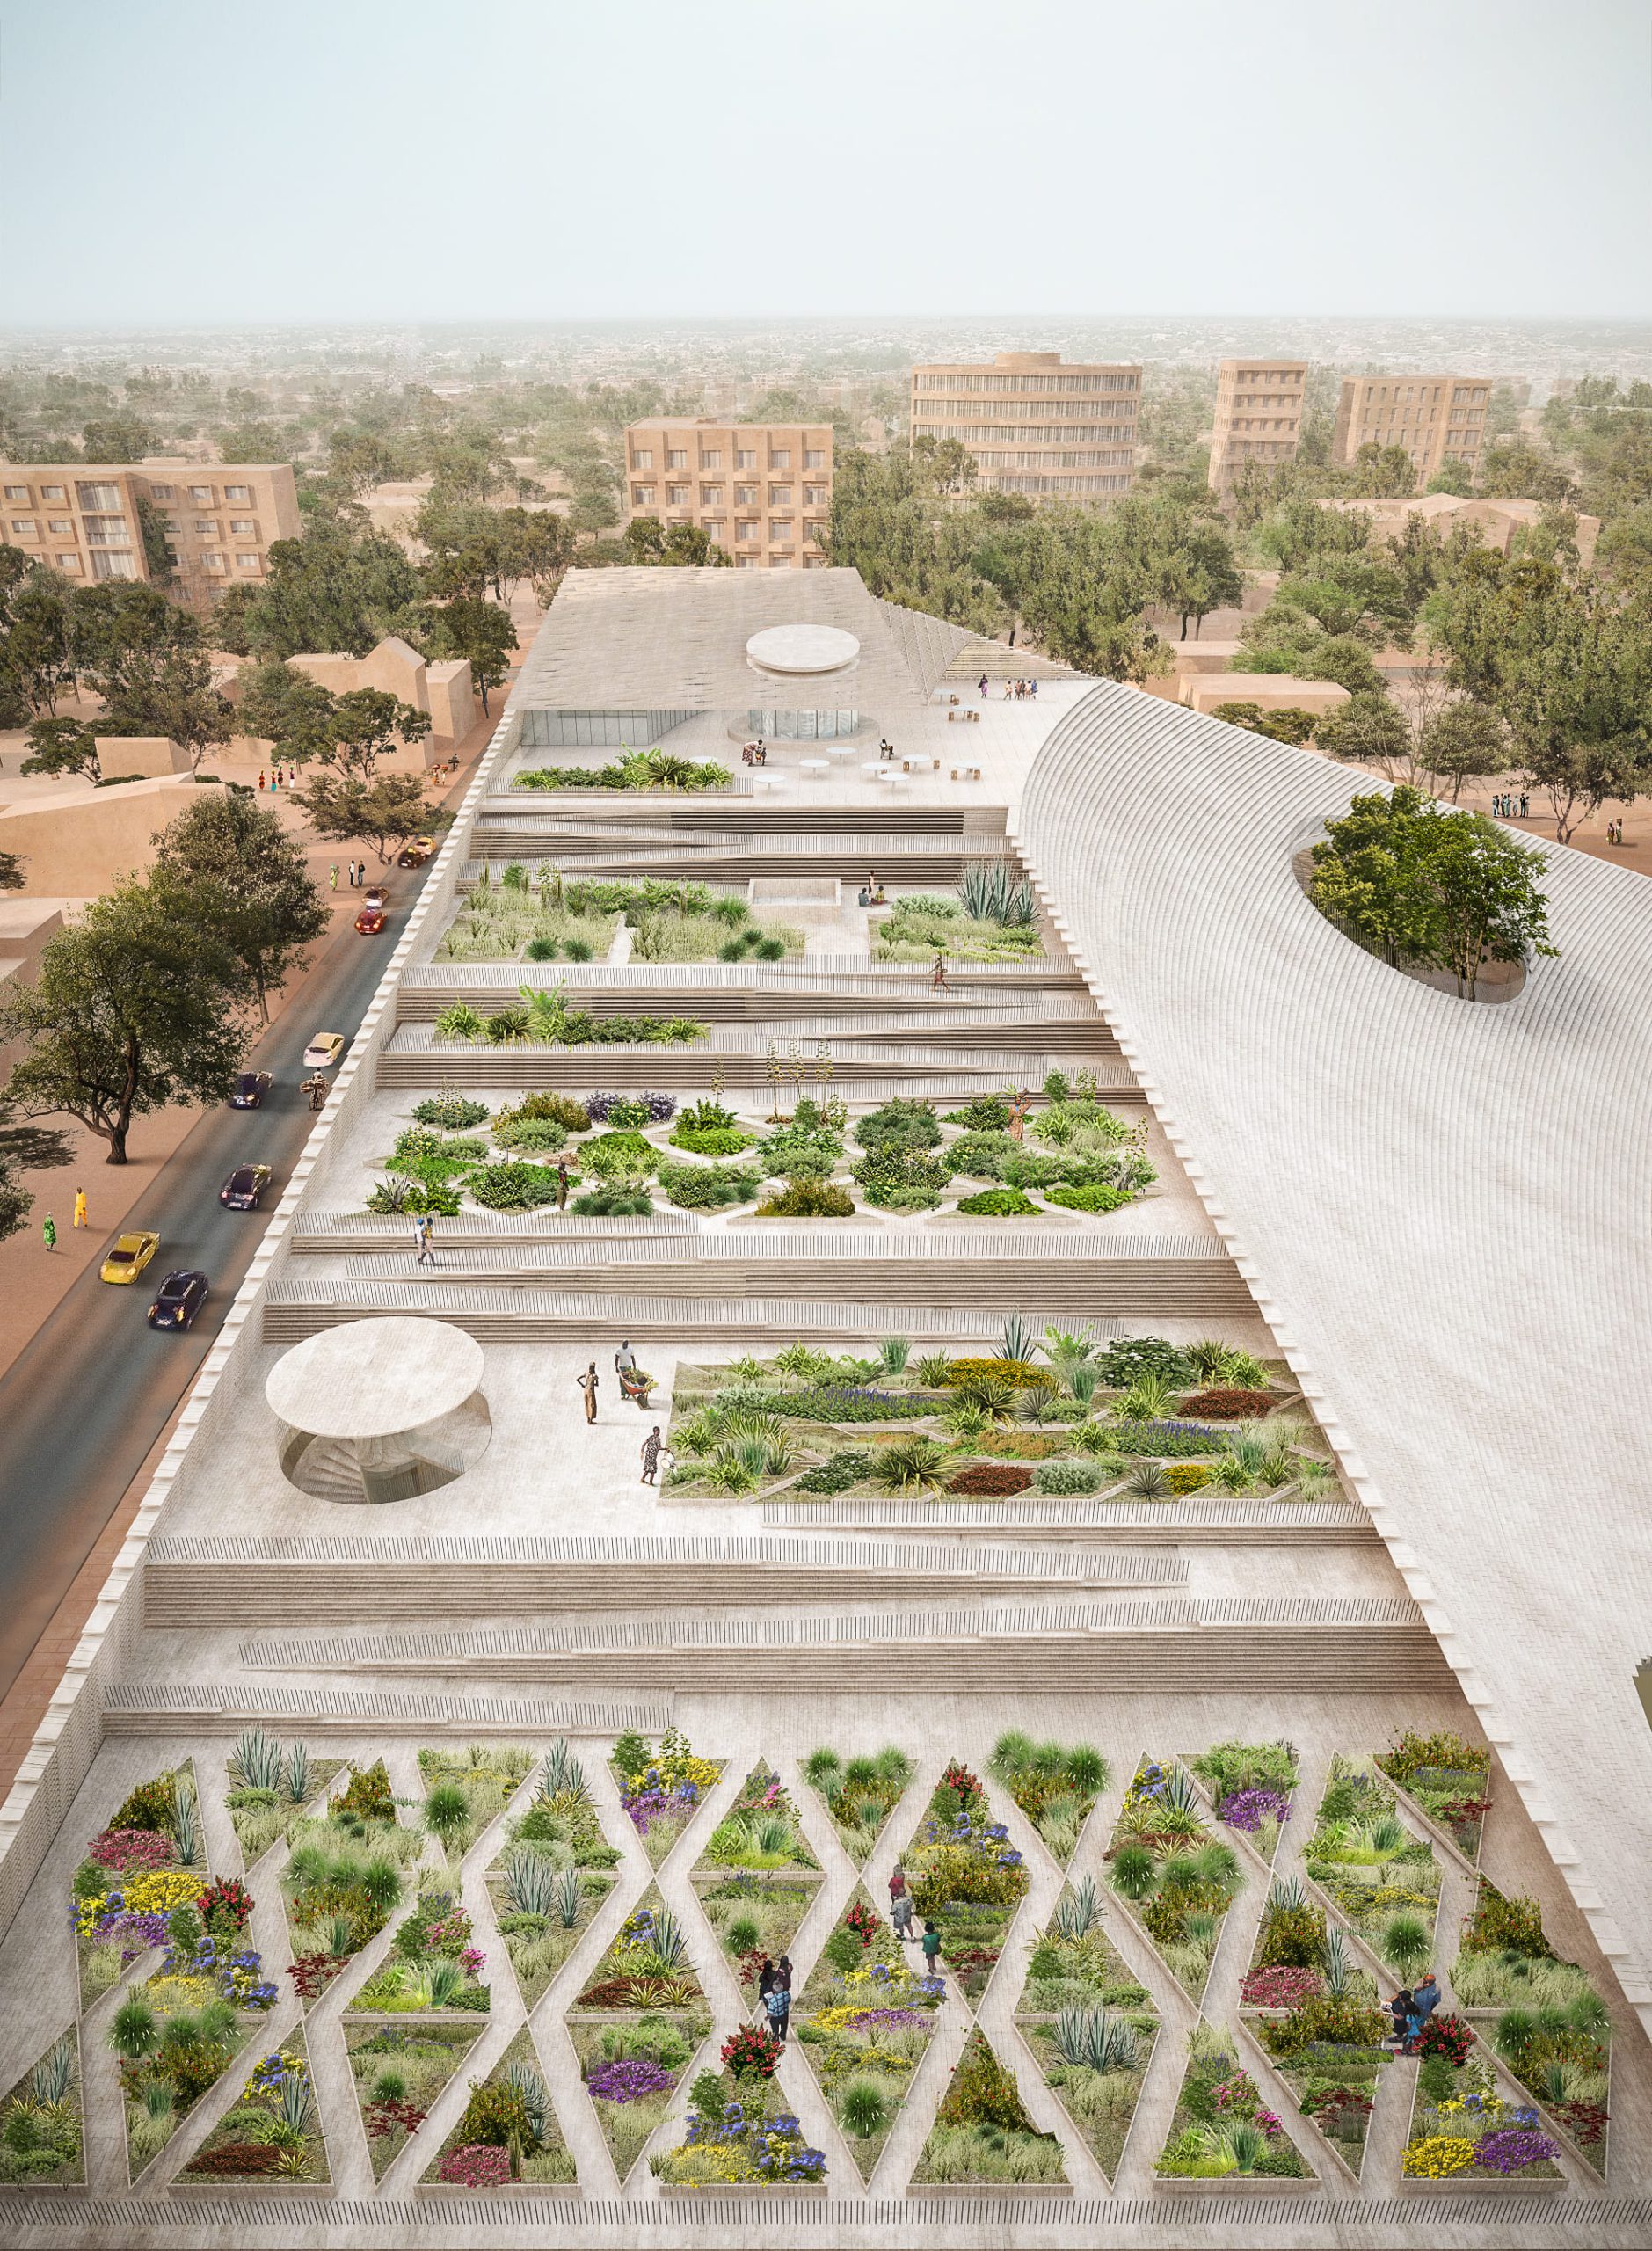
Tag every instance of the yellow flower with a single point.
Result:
(1436, 2156)
(158, 1891)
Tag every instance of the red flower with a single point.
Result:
(752, 2053)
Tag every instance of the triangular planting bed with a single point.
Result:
(661, 1788)
(464, 1790)
(277, 2088)
(43, 2122)
(1444, 1783)
(1055, 1784)
(647, 1967)
(633, 2069)
(862, 1795)
(336, 1885)
(1326, 2048)
(1168, 1874)
(1471, 2126)
(983, 2137)
(542, 1908)
(1090, 2023)
(509, 2111)
(1250, 1791)
(1223, 2135)
(434, 1969)
(860, 1960)
(398, 2069)
(1506, 1968)
(966, 1878)
(270, 1787)
(140, 1865)
(760, 1833)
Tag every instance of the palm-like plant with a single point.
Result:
(910, 1465)
(134, 2029)
(1146, 1481)
(1019, 1343)
(1148, 1398)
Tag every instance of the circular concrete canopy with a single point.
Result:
(801, 650)
(373, 1379)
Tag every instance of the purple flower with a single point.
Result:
(629, 2081)
(1247, 1809)
(1511, 2148)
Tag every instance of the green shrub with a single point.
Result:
(982, 1156)
(532, 1134)
(989, 1113)
(513, 1187)
(899, 1176)
(1087, 1199)
(1066, 1477)
(707, 1187)
(713, 1141)
(557, 1109)
(999, 1204)
(613, 1202)
(451, 1112)
(809, 1198)
(904, 1122)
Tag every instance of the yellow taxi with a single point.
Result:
(129, 1255)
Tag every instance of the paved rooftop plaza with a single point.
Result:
(1374, 1191)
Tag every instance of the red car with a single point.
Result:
(370, 922)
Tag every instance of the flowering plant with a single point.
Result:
(238, 1976)
(739, 2148)
(388, 2115)
(227, 1900)
(312, 1973)
(629, 2081)
(1280, 1988)
(1436, 2156)
(752, 2053)
(1511, 2148)
(132, 1848)
(478, 2165)
(1445, 2036)
(864, 1921)
(272, 2074)
(1247, 1810)
(849, 2017)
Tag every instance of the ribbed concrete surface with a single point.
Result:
(1442, 1207)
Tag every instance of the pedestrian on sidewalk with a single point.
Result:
(562, 1184)
(588, 1384)
(260, 777)
(983, 688)
(48, 1231)
(81, 1220)
(650, 1455)
(332, 876)
(423, 1230)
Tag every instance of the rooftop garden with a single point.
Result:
(1249, 1786)
(147, 1861)
(270, 1789)
(1321, 2026)
(1074, 1964)
(1447, 1779)
(636, 769)
(1054, 1784)
(1088, 2021)
(992, 916)
(544, 915)
(433, 1964)
(632, 2068)
(661, 1789)
(739, 2132)
(1078, 1420)
(860, 1793)
(465, 1791)
(344, 1878)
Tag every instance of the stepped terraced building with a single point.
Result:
(1399, 1234)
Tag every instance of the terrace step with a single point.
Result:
(144, 1706)
(908, 864)
(328, 1578)
(1194, 1521)
(1067, 1024)
(744, 815)
(882, 985)
(295, 1309)
(1008, 1021)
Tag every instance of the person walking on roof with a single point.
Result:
(562, 1184)
(587, 1383)
(650, 1455)
(983, 688)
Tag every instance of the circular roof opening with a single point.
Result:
(802, 651)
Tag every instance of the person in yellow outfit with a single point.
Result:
(81, 1220)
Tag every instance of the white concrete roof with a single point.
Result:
(1442, 1209)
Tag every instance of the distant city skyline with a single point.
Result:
(396, 164)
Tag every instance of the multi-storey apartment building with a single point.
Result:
(1053, 429)
(761, 491)
(1437, 418)
(1258, 415)
(214, 522)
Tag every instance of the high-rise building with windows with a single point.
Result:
(1052, 428)
(1258, 416)
(760, 491)
(1437, 418)
(195, 526)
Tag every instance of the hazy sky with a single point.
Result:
(193, 160)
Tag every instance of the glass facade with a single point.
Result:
(805, 726)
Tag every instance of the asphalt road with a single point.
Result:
(83, 1404)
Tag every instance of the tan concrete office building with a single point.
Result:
(1437, 418)
(219, 519)
(1258, 416)
(761, 491)
(1052, 429)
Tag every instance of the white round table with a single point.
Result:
(842, 749)
(890, 774)
(815, 765)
